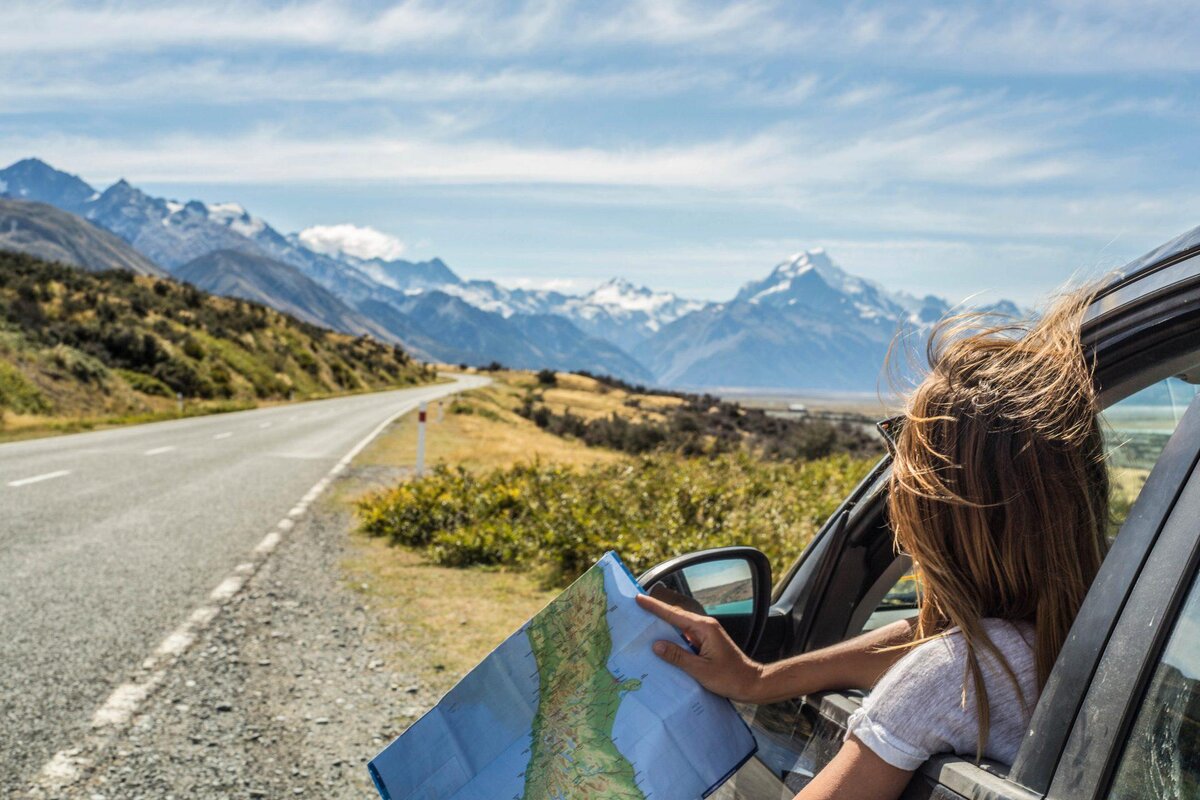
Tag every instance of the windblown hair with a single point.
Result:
(999, 489)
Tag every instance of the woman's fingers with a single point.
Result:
(684, 620)
(660, 592)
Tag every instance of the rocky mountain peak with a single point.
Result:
(34, 179)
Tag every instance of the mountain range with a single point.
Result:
(806, 325)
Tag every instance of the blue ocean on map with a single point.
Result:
(475, 744)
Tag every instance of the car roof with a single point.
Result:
(1181, 244)
(1166, 268)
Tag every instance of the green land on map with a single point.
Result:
(573, 754)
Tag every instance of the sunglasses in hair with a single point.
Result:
(889, 429)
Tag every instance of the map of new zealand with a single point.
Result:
(572, 705)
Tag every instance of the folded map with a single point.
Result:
(572, 705)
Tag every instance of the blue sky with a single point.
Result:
(992, 148)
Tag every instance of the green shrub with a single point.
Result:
(18, 394)
(559, 520)
(80, 365)
(193, 349)
(706, 425)
(146, 384)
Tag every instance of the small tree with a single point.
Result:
(547, 377)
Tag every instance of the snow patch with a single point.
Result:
(226, 210)
(235, 217)
(352, 240)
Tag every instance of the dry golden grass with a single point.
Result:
(18, 427)
(458, 616)
(487, 434)
(453, 616)
(588, 398)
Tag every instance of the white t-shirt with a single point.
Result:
(916, 710)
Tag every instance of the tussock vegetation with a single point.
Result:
(559, 520)
(79, 343)
(698, 425)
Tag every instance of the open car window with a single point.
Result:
(1135, 432)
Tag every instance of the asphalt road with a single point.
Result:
(108, 541)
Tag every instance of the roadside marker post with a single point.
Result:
(421, 440)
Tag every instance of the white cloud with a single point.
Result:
(27, 26)
(273, 156)
(352, 240)
(1066, 37)
(563, 285)
(221, 82)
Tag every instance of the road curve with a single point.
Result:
(109, 539)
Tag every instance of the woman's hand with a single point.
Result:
(719, 665)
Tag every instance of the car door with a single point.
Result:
(1136, 731)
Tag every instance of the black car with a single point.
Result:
(1120, 714)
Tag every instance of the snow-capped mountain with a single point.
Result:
(624, 314)
(807, 324)
(792, 283)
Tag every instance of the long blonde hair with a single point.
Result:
(999, 489)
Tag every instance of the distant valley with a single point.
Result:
(806, 325)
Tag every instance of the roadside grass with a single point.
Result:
(455, 615)
(15, 427)
(19, 427)
(480, 430)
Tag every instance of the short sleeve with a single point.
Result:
(915, 710)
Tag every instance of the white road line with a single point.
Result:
(264, 424)
(67, 766)
(224, 435)
(39, 478)
(155, 451)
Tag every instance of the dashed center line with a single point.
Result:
(264, 425)
(39, 478)
(224, 435)
(155, 451)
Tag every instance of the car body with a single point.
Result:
(1120, 713)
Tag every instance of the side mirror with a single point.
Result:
(730, 584)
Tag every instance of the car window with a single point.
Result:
(900, 602)
(1161, 758)
(1135, 432)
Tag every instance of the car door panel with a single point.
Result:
(1130, 653)
(1061, 698)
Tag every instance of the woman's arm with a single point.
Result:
(721, 667)
(856, 773)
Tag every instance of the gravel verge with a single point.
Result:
(289, 692)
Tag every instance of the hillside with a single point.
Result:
(75, 343)
(232, 273)
(45, 232)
